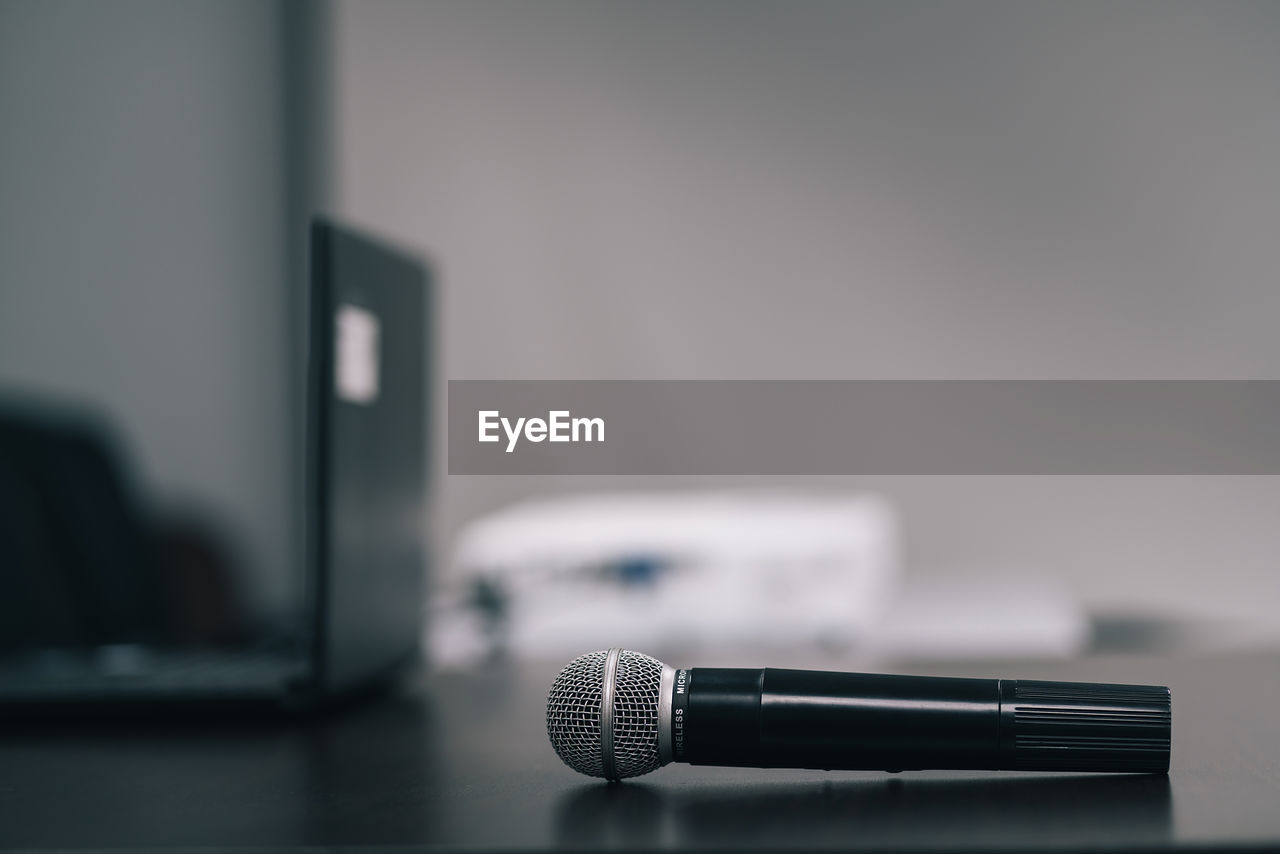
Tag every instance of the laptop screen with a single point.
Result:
(367, 454)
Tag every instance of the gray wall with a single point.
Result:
(852, 190)
(143, 264)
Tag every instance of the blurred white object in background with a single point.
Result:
(982, 615)
(661, 571)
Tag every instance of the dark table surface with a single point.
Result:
(462, 762)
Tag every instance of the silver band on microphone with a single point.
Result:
(606, 713)
(666, 686)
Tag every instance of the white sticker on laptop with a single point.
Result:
(357, 365)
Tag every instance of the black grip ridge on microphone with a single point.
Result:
(1083, 726)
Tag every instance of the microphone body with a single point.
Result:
(619, 714)
(771, 718)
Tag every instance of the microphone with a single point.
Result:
(618, 714)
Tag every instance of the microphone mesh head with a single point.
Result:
(573, 714)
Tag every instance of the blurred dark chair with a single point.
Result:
(80, 565)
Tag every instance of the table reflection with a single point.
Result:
(899, 811)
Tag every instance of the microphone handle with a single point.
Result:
(773, 718)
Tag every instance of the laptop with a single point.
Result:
(364, 517)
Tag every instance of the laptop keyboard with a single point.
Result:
(126, 671)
